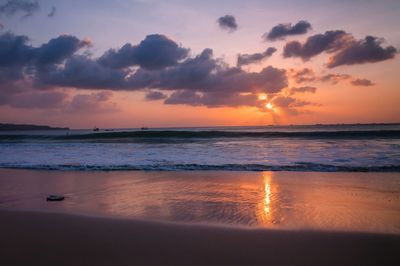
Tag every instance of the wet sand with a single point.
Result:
(169, 218)
(33, 238)
(362, 202)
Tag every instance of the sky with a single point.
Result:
(198, 63)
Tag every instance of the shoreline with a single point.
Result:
(33, 238)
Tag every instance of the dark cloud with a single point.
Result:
(154, 52)
(199, 80)
(219, 99)
(213, 99)
(283, 30)
(83, 72)
(8, 75)
(25, 7)
(245, 59)
(21, 64)
(345, 48)
(368, 50)
(184, 97)
(329, 42)
(155, 95)
(16, 51)
(52, 12)
(193, 73)
(362, 82)
(59, 49)
(202, 75)
(228, 22)
(305, 89)
(20, 61)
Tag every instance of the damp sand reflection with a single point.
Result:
(292, 200)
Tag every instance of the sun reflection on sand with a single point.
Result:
(266, 213)
(267, 197)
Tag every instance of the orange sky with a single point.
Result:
(331, 103)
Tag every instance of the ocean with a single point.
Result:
(337, 177)
(322, 148)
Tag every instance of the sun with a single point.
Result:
(269, 106)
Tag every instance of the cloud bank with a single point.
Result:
(157, 65)
(35, 77)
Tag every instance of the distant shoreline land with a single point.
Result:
(12, 127)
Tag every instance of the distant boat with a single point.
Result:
(55, 198)
(96, 129)
(144, 128)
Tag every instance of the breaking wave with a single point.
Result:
(300, 166)
(169, 135)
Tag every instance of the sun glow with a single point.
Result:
(262, 97)
(269, 106)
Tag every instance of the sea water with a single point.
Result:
(274, 148)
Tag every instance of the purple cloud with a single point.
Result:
(246, 59)
(367, 50)
(362, 82)
(281, 31)
(228, 22)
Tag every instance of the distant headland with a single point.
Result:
(11, 127)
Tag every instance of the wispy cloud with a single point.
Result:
(25, 7)
(52, 12)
